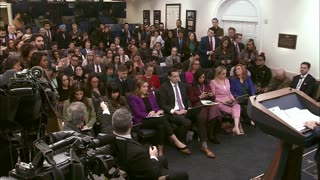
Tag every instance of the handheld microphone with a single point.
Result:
(101, 141)
(98, 96)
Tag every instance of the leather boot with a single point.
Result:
(212, 131)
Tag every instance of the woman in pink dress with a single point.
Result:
(221, 89)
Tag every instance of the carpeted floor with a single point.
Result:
(237, 158)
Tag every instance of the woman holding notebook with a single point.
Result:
(242, 87)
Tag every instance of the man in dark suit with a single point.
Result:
(207, 46)
(125, 84)
(49, 33)
(12, 32)
(304, 82)
(69, 70)
(126, 34)
(146, 35)
(238, 46)
(3, 37)
(42, 31)
(179, 42)
(97, 67)
(175, 102)
(75, 35)
(86, 49)
(62, 37)
(132, 158)
(179, 28)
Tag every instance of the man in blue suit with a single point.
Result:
(206, 48)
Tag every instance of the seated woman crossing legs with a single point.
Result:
(146, 111)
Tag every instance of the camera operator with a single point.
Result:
(76, 114)
(133, 158)
(12, 62)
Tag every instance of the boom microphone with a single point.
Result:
(64, 142)
(101, 141)
(60, 135)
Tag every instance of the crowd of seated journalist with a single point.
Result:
(118, 93)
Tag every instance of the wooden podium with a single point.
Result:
(286, 164)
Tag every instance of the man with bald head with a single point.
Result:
(279, 81)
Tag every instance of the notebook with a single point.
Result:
(193, 111)
(241, 99)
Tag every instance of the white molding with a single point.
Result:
(242, 18)
(3, 5)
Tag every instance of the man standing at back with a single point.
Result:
(207, 46)
(238, 46)
(218, 31)
(179, 28)
(133, 158)
(304, 82)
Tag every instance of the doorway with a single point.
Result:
(243, 16)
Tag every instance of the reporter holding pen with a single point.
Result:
(315, 126)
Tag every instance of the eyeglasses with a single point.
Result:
(74, 59)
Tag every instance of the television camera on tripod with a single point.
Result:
(25, 100)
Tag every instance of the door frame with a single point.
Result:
(257, 5)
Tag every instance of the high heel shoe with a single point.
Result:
(237, 132)
(184, 150)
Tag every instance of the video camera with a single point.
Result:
(75, 157)
(24, 104)
(22, 95)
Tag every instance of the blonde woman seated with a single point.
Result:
(220, 87)
(146, 111)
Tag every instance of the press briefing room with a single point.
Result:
(159, 89)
